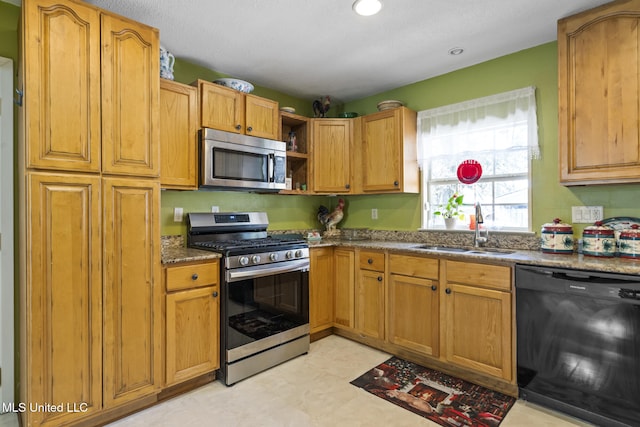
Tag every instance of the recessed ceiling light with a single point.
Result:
(456, 51)
(367, 7)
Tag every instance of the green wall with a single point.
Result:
(9, 18)
(532, 67)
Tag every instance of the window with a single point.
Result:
(501, 133)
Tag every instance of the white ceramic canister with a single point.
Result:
(557, 238)
(599, 240)
(166, 64)
(629, 242)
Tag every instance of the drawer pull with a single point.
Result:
(370, 261)
(379, 278)
(434, 288)
(194, 276)
(448, 291)
(215, 294)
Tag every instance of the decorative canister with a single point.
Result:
(599, 240)
(557, 238)
(629, 242)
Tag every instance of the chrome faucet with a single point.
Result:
(478, 240)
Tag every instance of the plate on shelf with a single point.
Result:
(237, 84)
(620, 223)
(469, 171)
(288, 110)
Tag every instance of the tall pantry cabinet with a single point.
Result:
(90, 272)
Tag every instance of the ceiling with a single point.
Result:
(313, 48)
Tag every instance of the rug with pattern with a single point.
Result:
(443, 399)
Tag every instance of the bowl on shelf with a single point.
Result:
(389, 104)
(288, 110)
(239, 85)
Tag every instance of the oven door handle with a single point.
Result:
(269, 270)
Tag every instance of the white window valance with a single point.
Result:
(441, 131)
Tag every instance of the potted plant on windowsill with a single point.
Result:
(452, 211)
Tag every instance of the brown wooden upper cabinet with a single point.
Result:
(178, 135)
(331, 154)
(389, 152)
(111, 84)
(227, 109)
(599, 95)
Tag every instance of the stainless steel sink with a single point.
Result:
(492, 251)
(442, 248)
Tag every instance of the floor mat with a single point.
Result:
(443, 399)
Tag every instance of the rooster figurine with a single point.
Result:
(330, 220)
(321, 106)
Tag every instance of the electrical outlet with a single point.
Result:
(374, 213)
(215, 209)
(177, 214)
(586, 214)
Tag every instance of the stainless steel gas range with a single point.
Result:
(264, 310)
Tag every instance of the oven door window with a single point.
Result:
(265, 306)
(240, 165)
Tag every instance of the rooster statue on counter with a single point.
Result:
(331, 219)
(321, 106)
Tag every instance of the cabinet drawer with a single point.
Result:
(372, 261)
(414, 266)
(192, 276)
(490, 276)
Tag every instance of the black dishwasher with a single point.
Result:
(578, 343)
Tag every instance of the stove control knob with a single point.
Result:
(255, 259)
(244, 260)
(273, 257)
(299, 253)
(288, 255)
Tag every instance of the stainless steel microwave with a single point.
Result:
(240, 162)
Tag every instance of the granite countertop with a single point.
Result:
(529, 257)
(174, 251)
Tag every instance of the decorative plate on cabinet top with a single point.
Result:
(389, 104)
(288, 109)
(239, 85)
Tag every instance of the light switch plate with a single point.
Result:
(177, 214)
(586, 214)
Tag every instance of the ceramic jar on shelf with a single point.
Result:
(599, 240)
(557, 238)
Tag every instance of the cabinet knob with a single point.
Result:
(448, 291)
(434, 288)
(347, 186)
(379, 278)
(214, 294)
(238, 127)
(396, 183)
(370, 261)
(250, 128)
(194, 276)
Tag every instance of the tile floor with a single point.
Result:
(311, 390)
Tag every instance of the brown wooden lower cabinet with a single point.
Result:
(478, 320)
(344, 271)
(321, 286)
(192, 319)
(456, 316)
(132, 349)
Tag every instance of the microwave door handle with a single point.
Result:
(271, 167)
